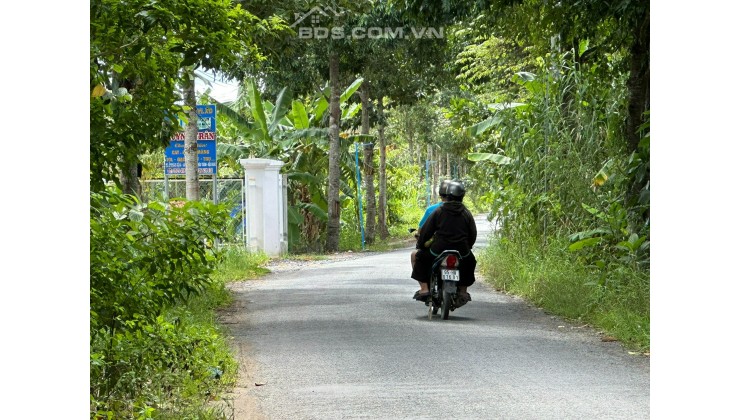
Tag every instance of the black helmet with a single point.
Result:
(455, 189)
(443, 187)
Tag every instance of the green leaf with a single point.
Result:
(351, 111)
(588, 234)
(258, 112)
(633, 243)
(351, 89)
(135, 215)
(232, 151)
(316, 133)
(590, 209)
(225, 110)
(281, 107)
(634, 238)
(306, 178)
(322, 103)
(319, 108)
(493, 157)
(483, 126)
(300, 117)
(526, 76)
(584, 243)
(156, 205)
(315, 210)
(118, 68)
(294, 216)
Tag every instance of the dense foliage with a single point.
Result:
(138, 49)
(146, 256)
(148, 264)
(556, 170)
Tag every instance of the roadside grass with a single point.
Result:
(616, 300)
(239, 264)
(174, 368)
(398, 237)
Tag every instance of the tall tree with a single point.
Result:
(368, 166)
(333, 225)
(400, 70)
(192, 187)
(382, 178)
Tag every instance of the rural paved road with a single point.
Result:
(343, 339)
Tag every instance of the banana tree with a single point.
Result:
(290, 130)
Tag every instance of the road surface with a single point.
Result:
(344, 340)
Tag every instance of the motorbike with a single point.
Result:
(443, 284)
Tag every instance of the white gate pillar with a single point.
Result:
(267, 209)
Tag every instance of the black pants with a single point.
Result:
(423, 267)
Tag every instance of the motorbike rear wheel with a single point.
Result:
(446, 305)
(435, 291)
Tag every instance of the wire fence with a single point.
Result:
(227, 191)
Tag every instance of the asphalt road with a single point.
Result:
(344, 339)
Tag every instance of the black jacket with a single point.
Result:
(452, 226)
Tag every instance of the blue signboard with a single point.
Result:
(206, 118)
(174, 156)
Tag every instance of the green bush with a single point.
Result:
(146, 256)
(155, 349)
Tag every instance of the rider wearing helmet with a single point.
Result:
(451, 226)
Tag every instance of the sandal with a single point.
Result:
(421, 296)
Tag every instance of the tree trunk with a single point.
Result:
(637, 84)
(192, 189)
(437, 171)
(129, 178)
(332, 227)
(382, 198)
(428, 175)
(448, 174)
(368, 168)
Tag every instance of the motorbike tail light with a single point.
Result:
(450, 261)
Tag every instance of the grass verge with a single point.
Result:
(238, 264)
(615, 300)
(172, 368)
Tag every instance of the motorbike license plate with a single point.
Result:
(450, 275)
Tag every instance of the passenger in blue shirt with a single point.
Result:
(429, 210)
